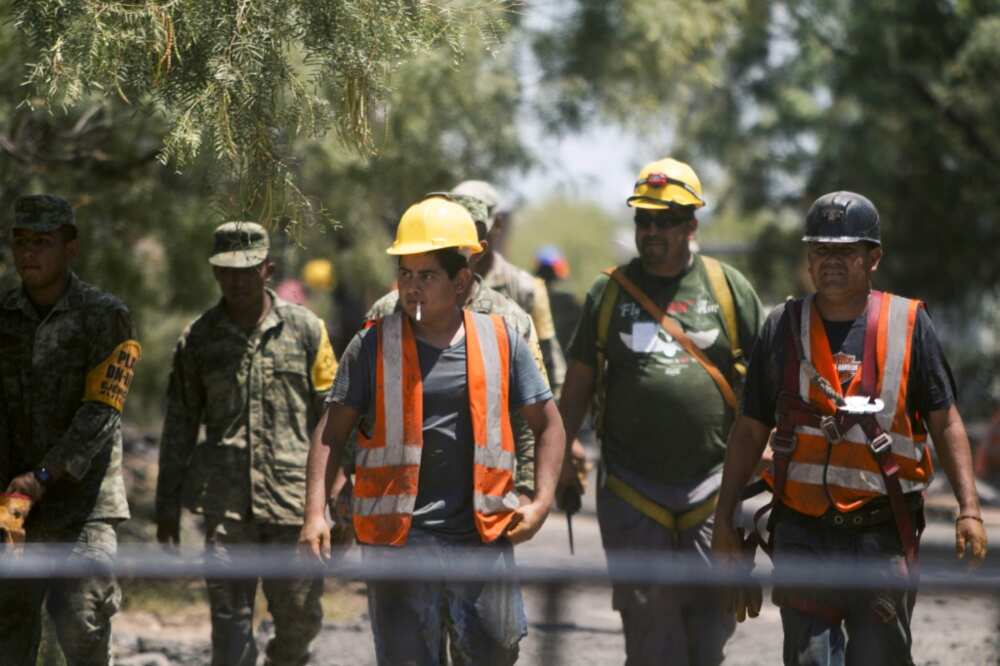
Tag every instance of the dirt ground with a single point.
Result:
(948, 628)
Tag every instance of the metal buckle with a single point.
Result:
(881, 444)
(828, 424)
(781, 443)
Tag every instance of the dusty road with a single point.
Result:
(948, 629)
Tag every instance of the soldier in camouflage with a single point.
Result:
(67, 357)
(485, 300)
(532, 295)
(254, 370)
(516, 284)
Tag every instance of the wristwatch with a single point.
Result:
(43, 476)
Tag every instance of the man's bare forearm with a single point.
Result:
(746, 443)
(549, 451)
(576, 396)
(325, 452)
(952, 445)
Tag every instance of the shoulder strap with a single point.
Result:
(723, 295)
(793, 347)
(605, 308)
(869, 360)
(677, 333)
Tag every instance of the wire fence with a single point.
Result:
(556, 583)
(939, 570)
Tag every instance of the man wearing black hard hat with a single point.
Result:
(846, 384)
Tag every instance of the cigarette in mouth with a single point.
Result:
(418, 311)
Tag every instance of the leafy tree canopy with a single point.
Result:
(247, 78)
(146, 229)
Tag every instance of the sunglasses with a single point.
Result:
(662, 220)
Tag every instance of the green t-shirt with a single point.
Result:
(665, 419)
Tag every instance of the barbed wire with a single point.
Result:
(939, 570)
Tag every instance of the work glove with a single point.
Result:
(745, 601)
(14, 510)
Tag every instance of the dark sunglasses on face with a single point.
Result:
(663, 220)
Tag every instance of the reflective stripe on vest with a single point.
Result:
(846, 472)
(387, 464)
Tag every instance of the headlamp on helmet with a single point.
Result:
(667, 184)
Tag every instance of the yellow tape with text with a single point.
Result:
(108, 382)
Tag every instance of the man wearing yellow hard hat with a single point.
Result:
(430, 388)
(656, 353)
(486, 300)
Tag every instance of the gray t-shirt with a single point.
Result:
(444, 495)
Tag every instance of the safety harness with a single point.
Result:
(722, 293)
(795, 412)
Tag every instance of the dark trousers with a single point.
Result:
(294, 604)
(80, 608)
(875, 629)
(662, 625)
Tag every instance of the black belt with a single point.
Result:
(876, 512)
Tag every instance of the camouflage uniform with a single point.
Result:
(259, 395)
(530, 293)
(487, 301)
(64, 375)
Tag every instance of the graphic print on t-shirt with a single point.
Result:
(648, 337)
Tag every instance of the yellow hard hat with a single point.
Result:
(666, 183)
(435, 223)
(319, 274)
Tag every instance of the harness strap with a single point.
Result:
(869, 358)
(607, 307)
(675, 331)
(880, 444)
(783, 439)
(723, 295)
(807, 606)
(679, 522)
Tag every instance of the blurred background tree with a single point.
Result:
(423, 118)
(244, 79)
(778, 102)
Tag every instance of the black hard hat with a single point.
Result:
(842, 217)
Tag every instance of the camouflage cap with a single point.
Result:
(476, 207)
(42, 213)
(239, 245)
(484, 192)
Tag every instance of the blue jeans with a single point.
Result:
(877, 622)
(485, 621)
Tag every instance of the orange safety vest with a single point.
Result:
(387, 464)
(845, 472)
